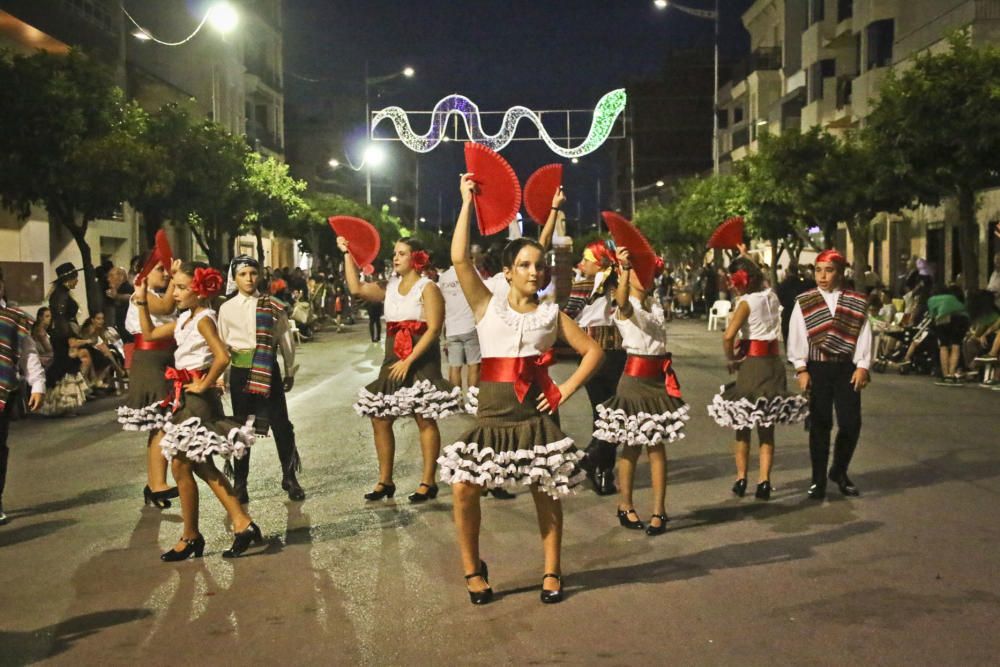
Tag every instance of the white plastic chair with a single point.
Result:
(296, 334)
(718, 315)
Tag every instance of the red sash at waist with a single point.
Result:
(523, 372)
(760, 348)
(143, 344)
(179, 377)
(654, 367)
(403, 331)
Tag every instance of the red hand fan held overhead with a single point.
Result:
(161, 253)
(641, 254)
(499, 193)
(728, 235)
(363, 239)
(539, 190)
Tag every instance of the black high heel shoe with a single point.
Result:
(764, 490)
(387, 491)
(552, 597)
(657, 530)
(160, 499)
(629, 523)
(242, 540)
(430, 494)
(740, 487)
(484, 596)
(195, 547)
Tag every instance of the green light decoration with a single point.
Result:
(606, 113)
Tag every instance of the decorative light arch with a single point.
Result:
(606, 113)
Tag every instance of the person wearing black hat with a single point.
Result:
(65, 377)
(254, 326)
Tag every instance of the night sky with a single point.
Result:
(547, 54)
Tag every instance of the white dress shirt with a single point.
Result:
(798, 336)
(458, 317)
(238, 328)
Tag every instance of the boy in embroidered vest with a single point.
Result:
(17, 350)
(830, 346)
(252, 325)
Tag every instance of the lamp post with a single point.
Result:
(711, 15)
(407, 72)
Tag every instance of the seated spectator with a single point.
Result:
(951, 322)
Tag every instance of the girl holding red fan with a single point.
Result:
(516, 439)
(410, 381)
(759, 398)
(147, 384)
(194, 425)
(647, 408)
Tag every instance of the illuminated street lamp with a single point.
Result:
(223, 17)
(334, 163)
(407, 72)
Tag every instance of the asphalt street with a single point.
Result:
(904, 574)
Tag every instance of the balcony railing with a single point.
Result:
(741, 137)
(258, 132)
(259, 68)
(844, 89)
(766, 58)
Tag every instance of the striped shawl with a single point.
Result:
(259, 382)
(13, 325)
(832, 337)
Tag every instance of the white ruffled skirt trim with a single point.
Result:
(743, 413)
(423, 398)
(150, 418)
(618, 427)
(554, 467)
(472, 400)
(197, 442)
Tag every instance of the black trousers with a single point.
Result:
(831, 389)
(600, 388)
(269, 412)
(4, 451)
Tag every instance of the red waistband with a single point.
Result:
(654, 367)
(523, 372)
(179, 377)
(403, 332)
(143, 344)
(760, 348)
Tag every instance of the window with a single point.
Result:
(879, 35)
(738, 115)
(824, 69)
(845, 10)
(816, 13)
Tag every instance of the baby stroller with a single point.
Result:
(893, 348)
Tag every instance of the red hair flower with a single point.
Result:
(206, 283)
(277, 286)
(419, 260)
(740, 279)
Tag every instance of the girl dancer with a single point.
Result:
(410, 382)
(194, 426)
(516, 438)
(759, 398)
(591, 304)
(147, 384)
(647, 408)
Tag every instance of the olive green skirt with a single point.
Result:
(759, 397)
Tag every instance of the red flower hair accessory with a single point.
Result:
(277, 286)
(419, 260)
(206, 283)
(740, 279)
(658, 266)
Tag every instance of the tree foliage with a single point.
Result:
(937, 124)
(319, 238)
(70, 143)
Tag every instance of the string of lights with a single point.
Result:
(221, 14)
(606, 113)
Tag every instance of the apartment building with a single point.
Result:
(822, 63)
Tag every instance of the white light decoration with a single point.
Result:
(606, 113)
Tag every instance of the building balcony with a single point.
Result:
(259, 135)
(814, 40)
(258, 70)
(741, 135)
(865, 90)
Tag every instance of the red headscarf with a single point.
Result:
(599, 253)
(832, 255)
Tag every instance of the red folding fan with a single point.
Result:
(499, 196)
(539, 189)
(727, 235)
(161, 252)
(641, 254)
(362, 237)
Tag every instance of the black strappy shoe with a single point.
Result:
(387, 491)
(657, 530)
(430, 494)
(740, 487)
(242, 541)
(159, 499)
(484, 596)
(552, 597)
(193, 547)
(625, 521)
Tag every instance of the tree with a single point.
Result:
(70, 143)
(274, 200)
(938, 126)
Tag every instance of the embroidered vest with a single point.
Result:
(832, 337)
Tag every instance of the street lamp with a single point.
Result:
(711, 15)
(660, 184)
(394, 199)
(334, 163)
(223, 17)
(373, 156)
(407, 72)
